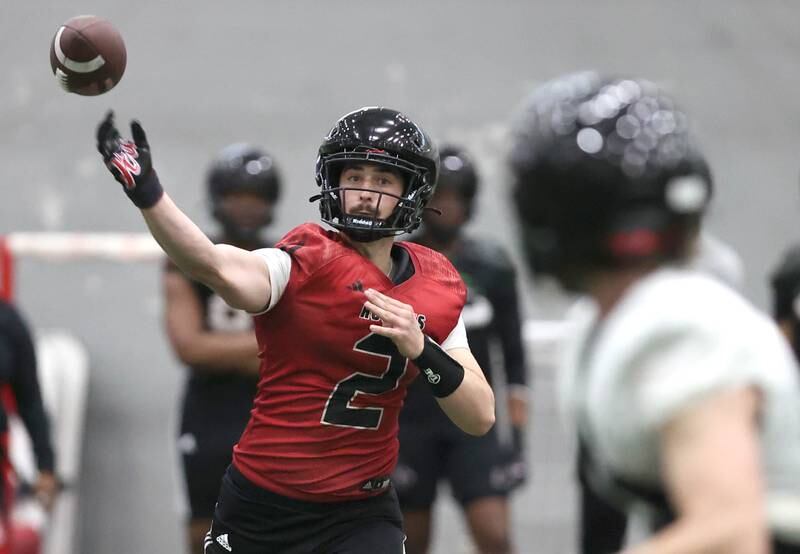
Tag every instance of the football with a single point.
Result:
(87, 55)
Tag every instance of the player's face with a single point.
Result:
(246, 209)
(378, 188)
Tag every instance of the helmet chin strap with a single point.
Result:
(363, 227)
(363, 233)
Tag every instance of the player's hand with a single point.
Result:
(46, 489)
(399, 323)
(129, 161)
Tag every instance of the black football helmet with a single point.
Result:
(242, 167)
(605, 174)
(457, 172)
(386, 137)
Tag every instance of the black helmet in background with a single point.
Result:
(605, 175)
(386, 137)
(243, 168)
(458, 173)
(455, 195)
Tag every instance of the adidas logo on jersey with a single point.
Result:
(376, 483)
(223, 542)
(357, 286)
(433, 378)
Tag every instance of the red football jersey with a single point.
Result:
(324, 420)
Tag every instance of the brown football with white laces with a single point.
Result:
(88, 55)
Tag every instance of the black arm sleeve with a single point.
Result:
(509, 327)
(25, 385)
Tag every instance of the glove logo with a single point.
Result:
(125, 162)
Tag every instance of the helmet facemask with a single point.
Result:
(388, 138)
(404, 218)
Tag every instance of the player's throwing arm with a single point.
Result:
(238, 276)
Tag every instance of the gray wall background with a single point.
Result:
(279, 73)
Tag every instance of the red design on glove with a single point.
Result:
(126, 164)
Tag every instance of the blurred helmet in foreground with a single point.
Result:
(605, 175)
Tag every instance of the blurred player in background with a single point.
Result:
(481, 471)
(216, 342)
(786, 297)
(686, 399)
(18, 373)
(338, 316)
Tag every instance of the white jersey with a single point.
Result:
(675, 337)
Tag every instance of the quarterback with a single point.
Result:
(345, 319)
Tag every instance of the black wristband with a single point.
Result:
(146, 192)
(442, 372)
